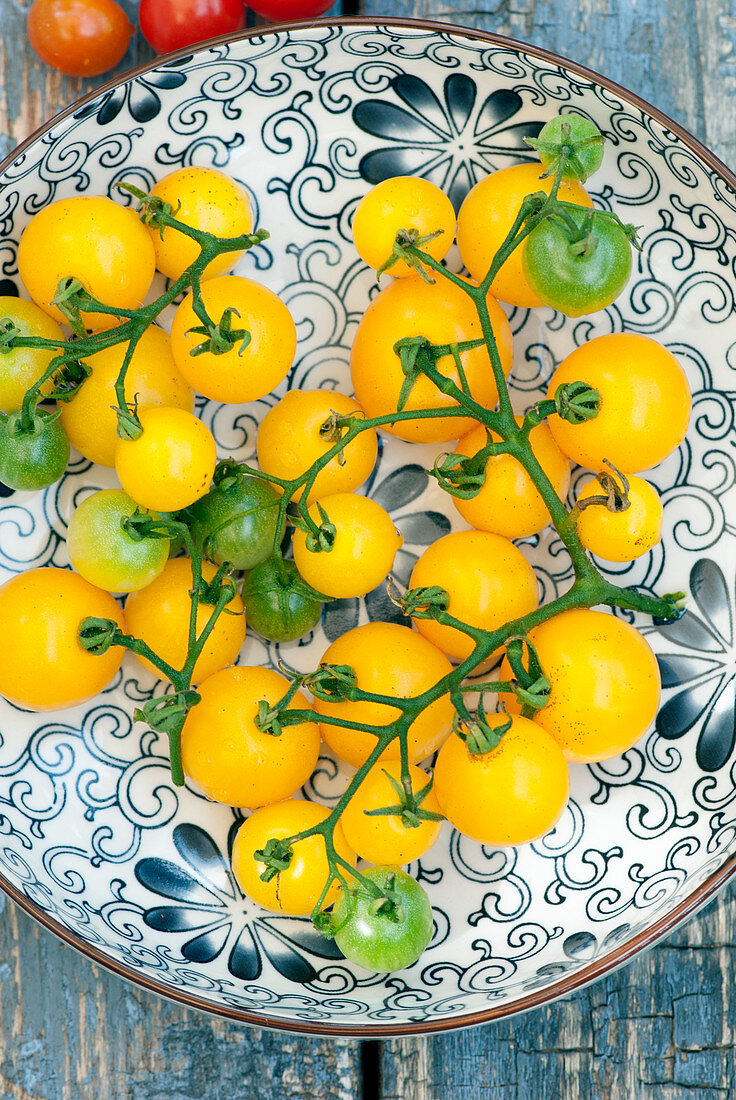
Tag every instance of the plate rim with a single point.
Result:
(605, 964)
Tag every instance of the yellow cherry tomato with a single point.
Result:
(605, 684)
(362, 550)
(171, 464)
(229, 757)
(95, 240)
(297, 889)
(443, 314)
(152, 376)
(488, 580)
(159, 615)
(644, 408)
(621, 536)
(296, 432)
(203, 199)
(403, 202)
(510, 795)
(486, 216)
(509, 503)
(20, 367)
(383, 838)
(42, 665)
(387, 660)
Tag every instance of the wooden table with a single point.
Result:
(665, 1026)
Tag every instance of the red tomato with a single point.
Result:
(278, 10)
(79, 37)
(173, 24)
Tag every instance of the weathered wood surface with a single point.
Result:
(664, 1027)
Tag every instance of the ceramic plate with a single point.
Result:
(94, 841)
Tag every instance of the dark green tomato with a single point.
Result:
(579, 139)
(379, 938)
(278, 603)
(32, 459)
(236, 521)
(578, 277)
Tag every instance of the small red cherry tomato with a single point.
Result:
(174, 24)
(79, 37)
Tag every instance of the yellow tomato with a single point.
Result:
(383, 838)
(204, 199)
(42, 664)
(403, 202)
(243, 373)
(171, 464)
(488, 580)
(486, 216)
(443, 314)
(97, 241)
(229, 757)
(387, 660)
(621, 536)
(291, 438)
(88, 419)
(20, 367)
(509, 503)
(364, 545)
(297, 889)
(159, 615)
(510, 795)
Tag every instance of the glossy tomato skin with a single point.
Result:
(402, 203)
(488, 580)
(486, 216)
(42, 665)
(280, 10)
(96, 240)
(375, 940)
(232, 760)
(204, 199)
(388, 660)
(171, 464)
(79, 37)
(152, 375)
(443, 314)
(385, 838)
(159, 614)
(510, 795)
(297, 889)
(174, 24)
(21, 367)
(508, 502)
(279, 604)
(621, 536)
(104, 553)
(32, 459)
(644, 409)
(236, 522)
(605, 684)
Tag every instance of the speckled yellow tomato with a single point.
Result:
(88, 419)
(488, 580)
(644, 408)
(297, 889)
(204, 199)
(605, 684)
(21, 367)
(42, 665)
(509, 503)
(385, 838)
(291, 438)
(510, 795)
(443, 314)
(364, 545)
(171, 464)
(229, 757)
(621, 536)
(244, 373)
(402, 202)
(387, 659)
(486, 216)
(97, 241)
(159, 615)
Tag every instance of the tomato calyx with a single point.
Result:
(532, 688)
(473, 728)
(220, 337)
(277, 855)
(463, 476)
(332, 683)
(267, 720)
(420, 603)
(575, 402)
(406, 239)
(97, 635)
(409, 806)
(320, 537)
(615, 495)
(569, 145)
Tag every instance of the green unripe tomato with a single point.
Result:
(278, 603)
(582, 140)
(236, 521)
(383, 938)
(104, 553)
(32, 459)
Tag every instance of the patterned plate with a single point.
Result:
(95, 842)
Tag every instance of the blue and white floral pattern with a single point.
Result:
(92, 833)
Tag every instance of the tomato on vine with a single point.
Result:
(21, 367)
(35, 456)
(236, 521)
(382, 935)
(170, 465)
(279, 603)
(104, 552)
(396, 838)
(407, 203)
(621, 533)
